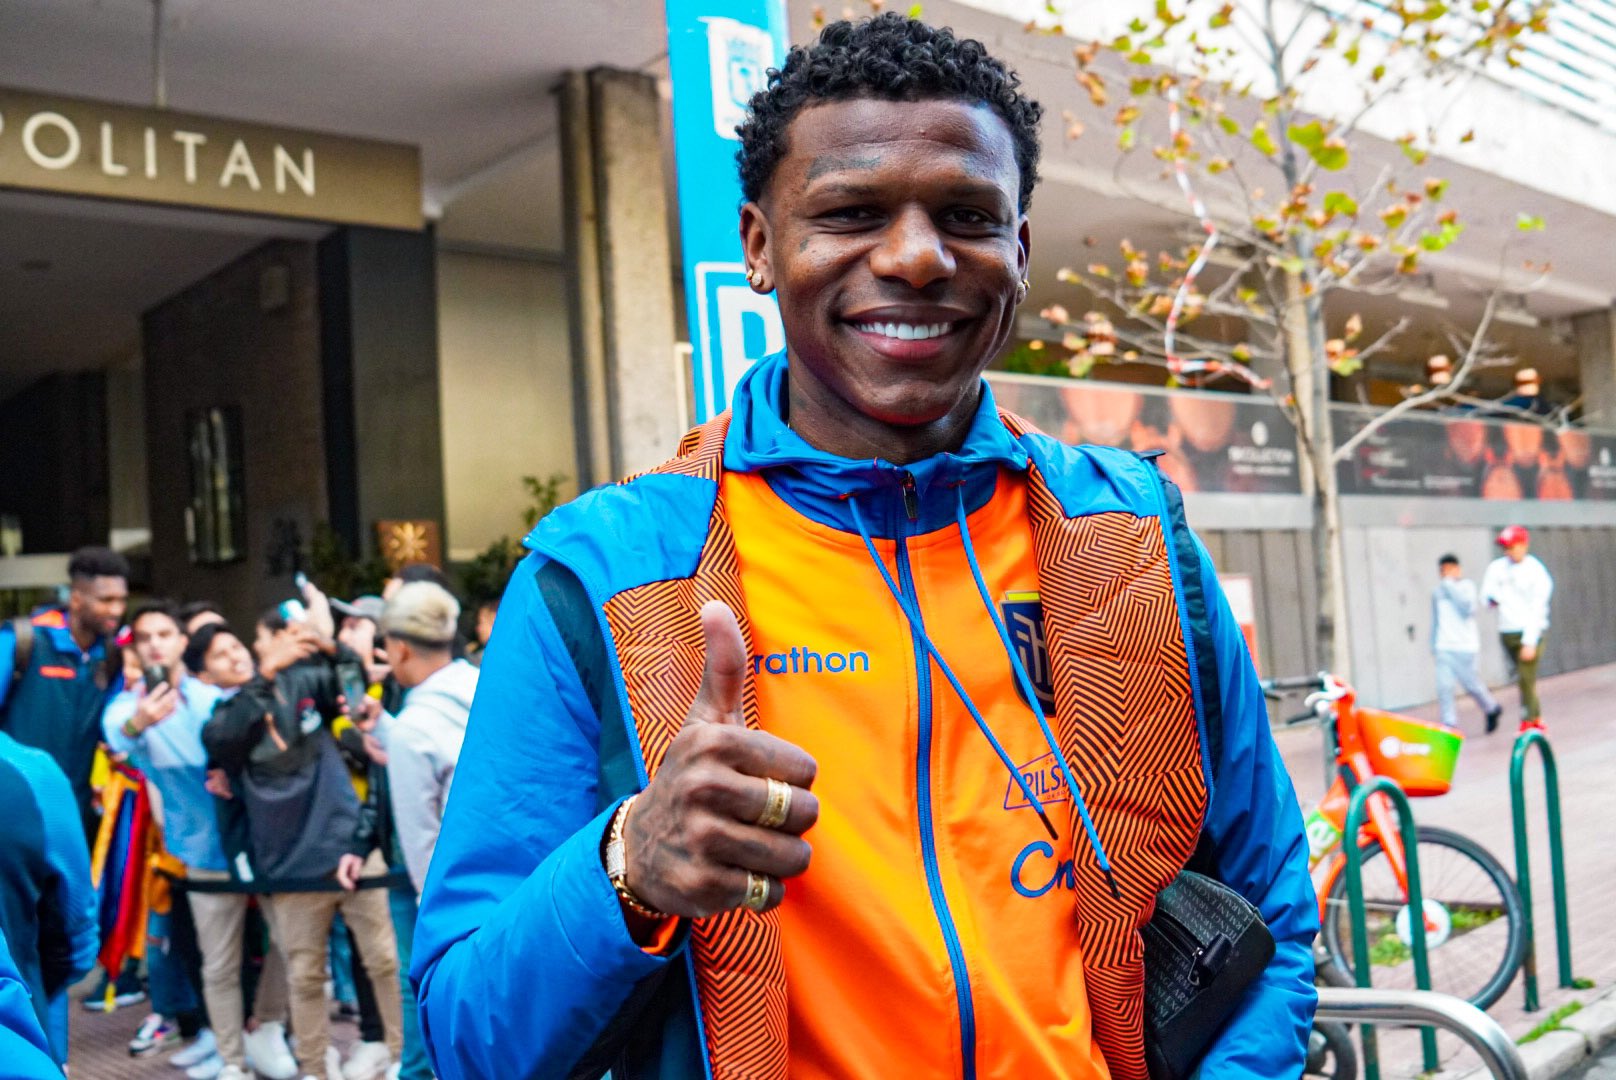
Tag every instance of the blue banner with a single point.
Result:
(719, 52)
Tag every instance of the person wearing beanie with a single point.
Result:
(424, 742)
(420, 625)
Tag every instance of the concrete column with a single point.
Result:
(379, 360)
(1595, 334)
(620, 273)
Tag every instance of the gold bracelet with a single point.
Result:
(615, 857)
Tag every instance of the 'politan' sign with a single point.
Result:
(90, 148)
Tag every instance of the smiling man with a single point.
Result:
(859, 739)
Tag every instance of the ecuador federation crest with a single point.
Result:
(1023, 615)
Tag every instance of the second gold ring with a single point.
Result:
(776, 805)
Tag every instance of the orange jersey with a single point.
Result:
(934, 889)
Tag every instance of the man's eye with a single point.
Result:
(849, 214)
(968, 216)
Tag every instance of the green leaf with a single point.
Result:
(1263, 141)
(1434, 11)
(1141, 86)
(1352, 52)
(914, 11)
(1308, 136)
(1139, 26)
(1444, 236)
(1127, 138)
(1529, 223)
(1122, 44)
(1330, 153)
(1339, 202)
(1229, 124)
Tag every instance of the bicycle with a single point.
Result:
(1475, 924)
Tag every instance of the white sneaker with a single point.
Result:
(208, 1068)
(234, 1072)
(367, 1061)
(201, 1048)
(267, 1052)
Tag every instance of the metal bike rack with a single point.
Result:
(1385, 785)
(1407, 1008)
(1523, 860)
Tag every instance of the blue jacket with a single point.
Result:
(56, 705)
(521, 956)
(22, 1042)
(47, 905)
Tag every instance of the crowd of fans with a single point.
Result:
(295, 778)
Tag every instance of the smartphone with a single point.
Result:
(293, 611)
(354, 685)
(154, 676)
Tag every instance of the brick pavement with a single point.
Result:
(1577, 708)
(100, 1043)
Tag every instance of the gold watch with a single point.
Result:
(614, 854)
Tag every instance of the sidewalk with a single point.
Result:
(1577, 708)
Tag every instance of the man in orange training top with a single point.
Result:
(859, 739)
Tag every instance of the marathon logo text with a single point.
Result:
(802, 660)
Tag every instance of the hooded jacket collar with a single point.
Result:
(818, 484)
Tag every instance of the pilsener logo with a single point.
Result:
(802, 660)
(1024, 619)
(1044, 779)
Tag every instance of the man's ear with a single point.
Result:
(1024, 248)
(755, 248)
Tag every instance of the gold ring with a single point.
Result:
(777, 806)
(757, 892)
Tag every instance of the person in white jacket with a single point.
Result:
(423, 740)
(1518, 586)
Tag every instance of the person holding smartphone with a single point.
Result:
(157, 724)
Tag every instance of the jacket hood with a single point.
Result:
(447, 692)
(819, 484)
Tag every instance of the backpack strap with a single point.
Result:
(1197, 613)
(22, 654)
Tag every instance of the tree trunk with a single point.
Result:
(1310, 384)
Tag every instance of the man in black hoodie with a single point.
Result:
(274, 738)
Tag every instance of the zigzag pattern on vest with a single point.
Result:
(1127, 724)
(740, 974)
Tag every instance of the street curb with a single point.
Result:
(1581, 1035)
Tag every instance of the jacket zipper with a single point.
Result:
(928, 837)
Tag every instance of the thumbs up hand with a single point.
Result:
(693, 838)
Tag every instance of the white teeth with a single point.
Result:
(906, 331)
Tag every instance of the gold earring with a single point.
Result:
(754, 277)
(1022, 288)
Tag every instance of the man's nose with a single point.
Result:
(913, 251)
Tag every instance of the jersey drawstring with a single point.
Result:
(918, 628)
(1031, 696)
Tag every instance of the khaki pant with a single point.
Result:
(220, 919)
(1525, 674)
(301, 924)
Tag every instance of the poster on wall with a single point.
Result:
(1210, 442)
(1471, 458)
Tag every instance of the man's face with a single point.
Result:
(159, 641)
(1450, 570)
(227, 662)
(1517, 552)
(892, 235)
(359, 634)
(97, 605)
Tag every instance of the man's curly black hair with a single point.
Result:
(892, 57)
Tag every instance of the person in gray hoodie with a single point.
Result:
(423, 741)
(423, 745)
